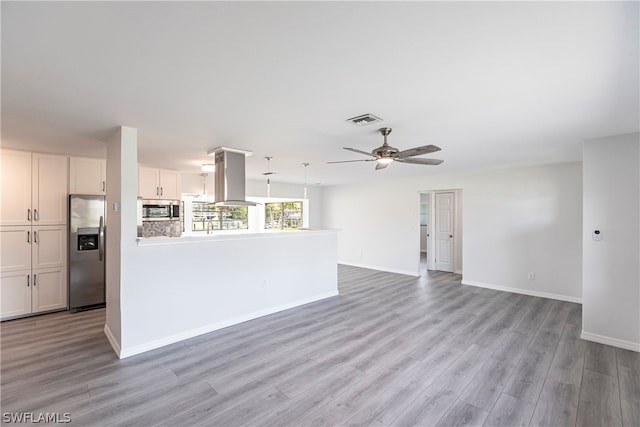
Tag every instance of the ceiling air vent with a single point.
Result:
(365, 119)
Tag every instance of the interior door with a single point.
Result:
(444, 231)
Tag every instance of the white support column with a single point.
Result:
(121, 230)
(611, 241)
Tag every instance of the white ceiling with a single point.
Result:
(494, 84)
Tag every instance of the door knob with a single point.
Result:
(450, 235)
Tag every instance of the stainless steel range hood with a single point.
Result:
(230, 183)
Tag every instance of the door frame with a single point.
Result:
(457, 228)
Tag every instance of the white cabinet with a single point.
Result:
(49, 247)
(33, 260)
(16, 294)
(15, 208)
(34, 188)
(33, 233)
(49, 189)
(148, 182)
(87, 176)
(24, 293)
(154, 183)
(15, 249)
(49, 289)
(169, 184)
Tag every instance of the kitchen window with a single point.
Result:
(283, 215)
(208, 216)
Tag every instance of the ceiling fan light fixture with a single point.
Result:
(385, 160)
(208, 167)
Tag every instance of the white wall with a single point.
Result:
(195, 183)
(611, 267)
(514, 221)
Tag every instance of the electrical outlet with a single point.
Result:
(531, 276)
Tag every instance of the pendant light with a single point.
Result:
(267, 173)
(305, 179)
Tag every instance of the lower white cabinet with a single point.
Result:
(33, 267)
(16, 293)
(49, 289)
(33, 291)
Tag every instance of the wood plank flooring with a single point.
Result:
(390, 350)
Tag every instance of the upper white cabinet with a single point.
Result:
(148, 182)
(169, 184)
(15, 208)
(34, 188)
(49, 189)
(87, 176)
(154, 183)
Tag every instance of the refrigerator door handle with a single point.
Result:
(101, 239)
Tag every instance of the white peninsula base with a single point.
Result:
(189, 286)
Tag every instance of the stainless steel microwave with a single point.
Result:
(161, 210)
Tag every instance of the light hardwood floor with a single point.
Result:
(390, 350)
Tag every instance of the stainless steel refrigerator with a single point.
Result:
(86, 251)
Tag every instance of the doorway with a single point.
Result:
(441, 230)
(424, 230)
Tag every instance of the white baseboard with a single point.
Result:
(522, 291)
(378, 268)
(141, 348)
(615, 342)
(112, 340)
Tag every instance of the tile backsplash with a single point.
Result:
(161, 228)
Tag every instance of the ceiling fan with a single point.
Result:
(385, 154)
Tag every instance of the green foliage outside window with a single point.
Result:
(283, 216)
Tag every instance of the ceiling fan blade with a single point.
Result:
(351, 161)
(417, 151)
(355, 150)
(382, 165)
(432, 162)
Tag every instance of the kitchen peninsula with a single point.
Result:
(190, 285)
(162, 290)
